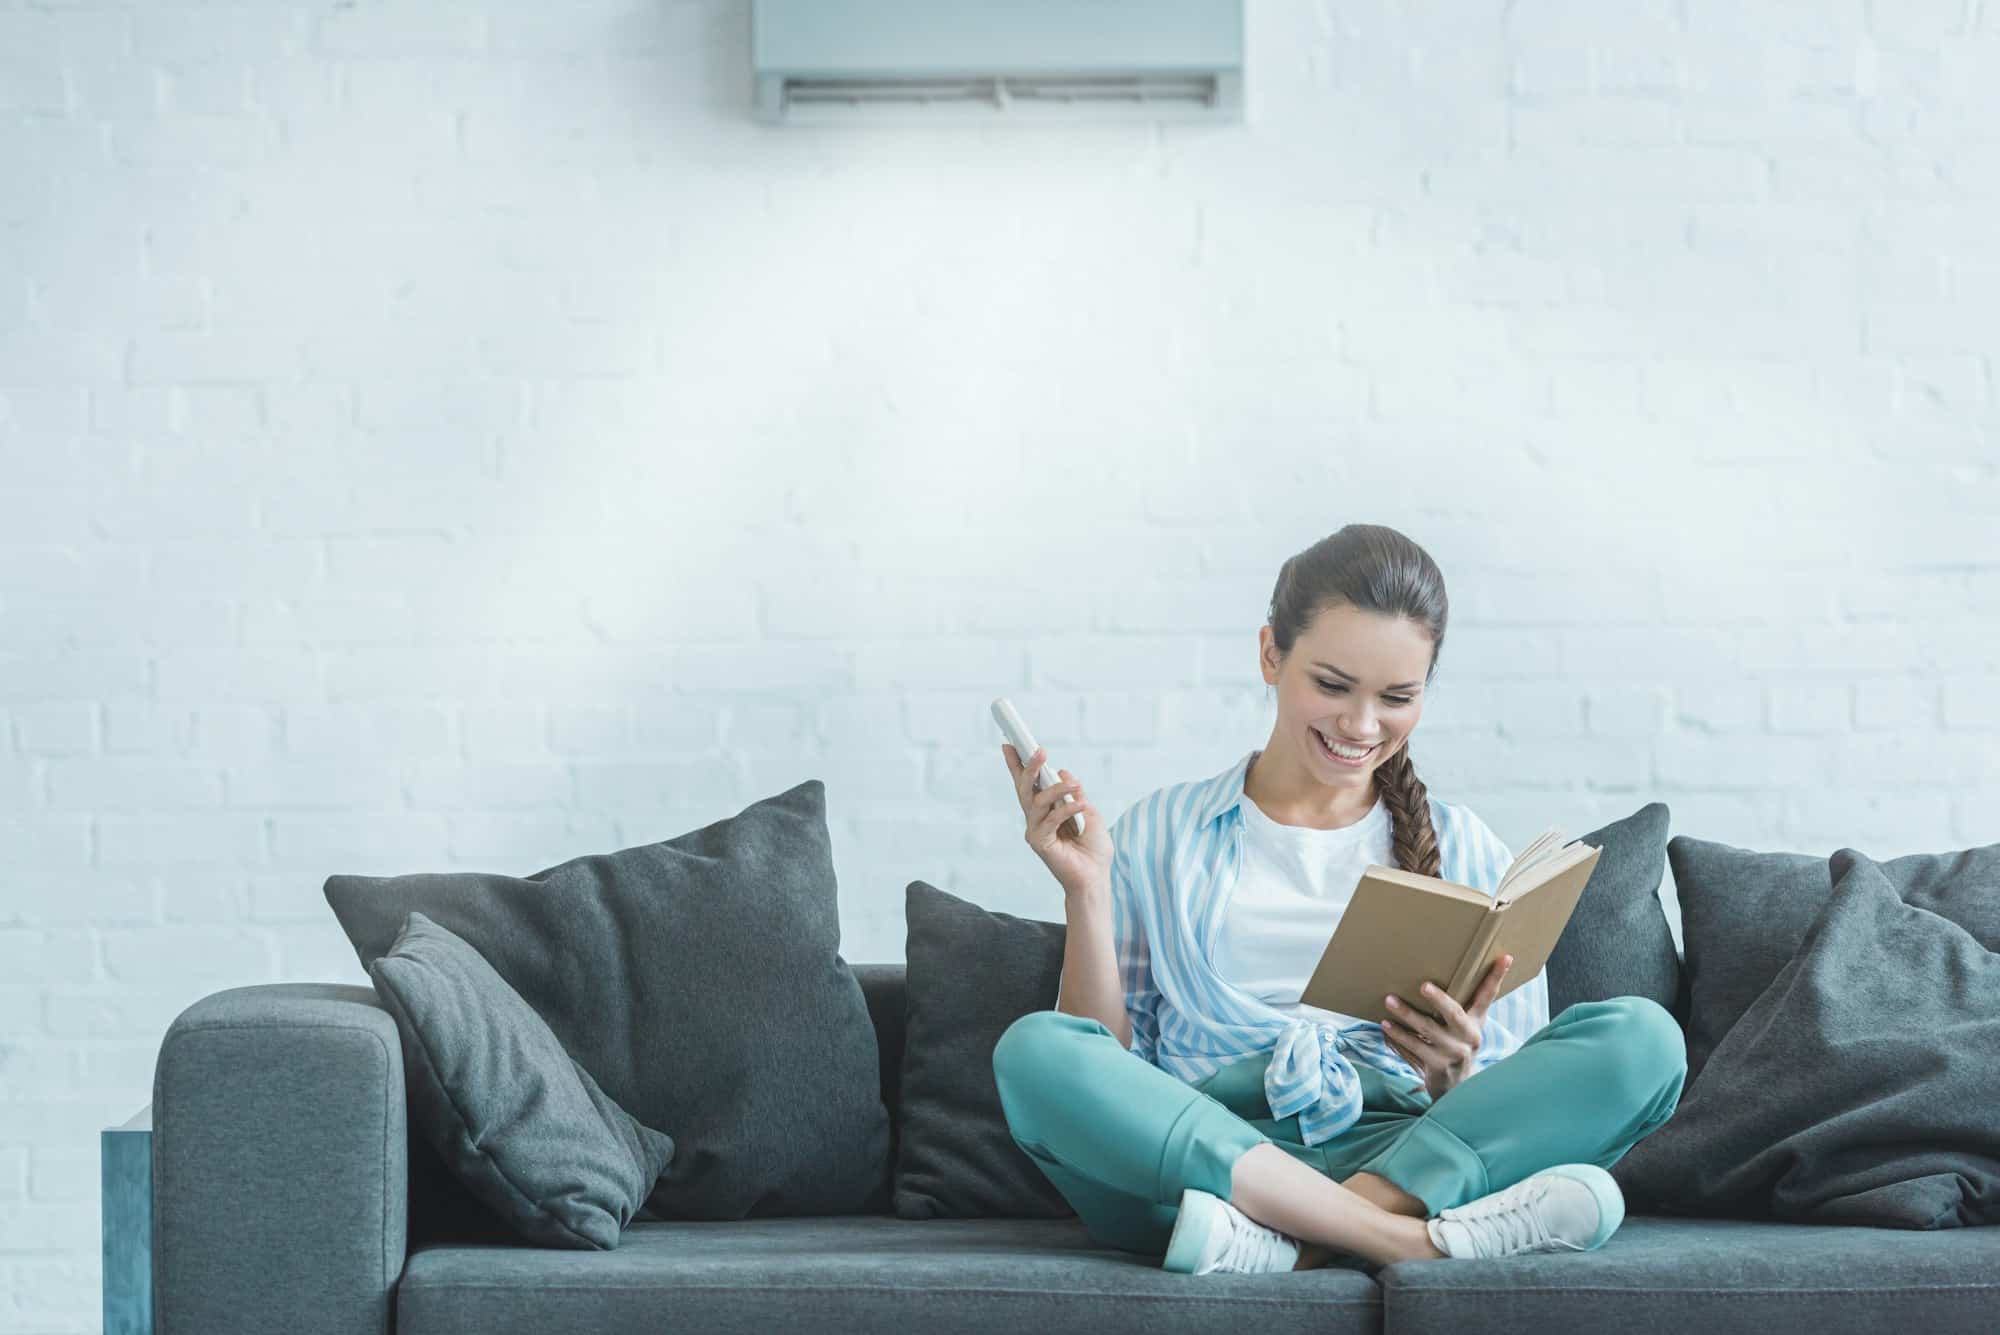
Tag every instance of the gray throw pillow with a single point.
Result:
(1618, 943)
(968, 974)
(699, 981)
(510, 1113)
(1858, 1087)
(1744, 913)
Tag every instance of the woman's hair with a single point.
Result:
(1375, 569)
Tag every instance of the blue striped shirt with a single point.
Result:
(1178, 850)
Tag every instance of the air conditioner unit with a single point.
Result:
(997, 61)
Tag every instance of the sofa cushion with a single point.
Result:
(1617, 942)
(863, 1274)
(971, 972)
(699, 981)
(513, 1115)
(1744, 913)
(1858, 1089)
(1663, 1276)
(442, 1210)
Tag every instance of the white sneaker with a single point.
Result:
(1211, 1234)
(1572, 1207)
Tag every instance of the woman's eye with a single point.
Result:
(1392, 699)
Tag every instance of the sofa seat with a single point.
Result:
(1661, 1275)
(859, 1273)
(877, 1272)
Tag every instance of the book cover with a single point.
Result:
(1402, 929)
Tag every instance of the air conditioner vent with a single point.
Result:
(999, 91)
(834, 61)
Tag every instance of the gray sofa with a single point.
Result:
(282, 1202)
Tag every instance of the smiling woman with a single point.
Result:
(1282, 1131)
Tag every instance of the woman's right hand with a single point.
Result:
(1078, 862)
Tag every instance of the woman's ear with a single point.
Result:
(1266, 654)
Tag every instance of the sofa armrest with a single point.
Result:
(280, 1164)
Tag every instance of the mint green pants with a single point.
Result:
(1121, 1138)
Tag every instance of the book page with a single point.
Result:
(1545, 847)
(1547, 864)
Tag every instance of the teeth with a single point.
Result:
(1340, 750)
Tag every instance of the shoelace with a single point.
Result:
(1518, 1226)
(1248, 1241)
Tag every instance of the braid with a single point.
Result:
(1415, 842)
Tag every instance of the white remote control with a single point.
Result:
(1009, 719)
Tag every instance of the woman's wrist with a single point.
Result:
(1089, 897)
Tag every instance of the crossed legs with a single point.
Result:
(1122, 1138)
(1366, 1215)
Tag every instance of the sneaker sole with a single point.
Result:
(1610, 1200)
(1191, 1229)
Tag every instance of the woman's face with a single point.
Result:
(1376, 703)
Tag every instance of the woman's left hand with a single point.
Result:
(1442, 1049)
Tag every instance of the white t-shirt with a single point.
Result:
(1293, 886)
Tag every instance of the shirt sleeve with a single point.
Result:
(1518, 1016)
(1135, 962)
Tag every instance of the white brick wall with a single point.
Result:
(456, 436)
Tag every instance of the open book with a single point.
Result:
(1403, 929)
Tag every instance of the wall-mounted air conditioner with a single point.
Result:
(997, 61)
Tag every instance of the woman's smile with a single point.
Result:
(1334, 757)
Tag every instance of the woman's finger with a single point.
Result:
(1413, 1058)
(1051, 797)
(1454, 1023)
(1412, 1023)
(1057, 812)
(1449, 1012)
